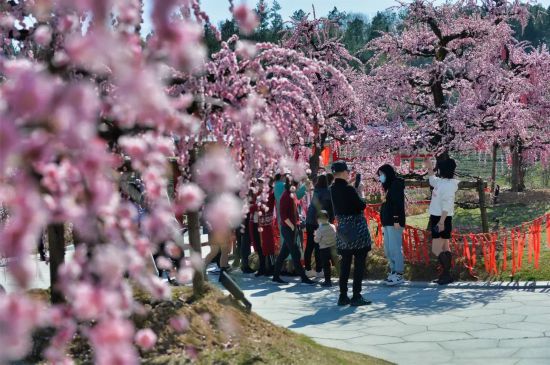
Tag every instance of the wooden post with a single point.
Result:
(56, 241)
(193, 227)
(482, 206)
(494, 168)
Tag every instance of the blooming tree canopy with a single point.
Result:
(441, 84)
(81, 90)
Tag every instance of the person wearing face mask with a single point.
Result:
(353, 239)
(392, 215)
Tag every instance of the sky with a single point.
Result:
(218, 10)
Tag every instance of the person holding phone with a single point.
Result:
(441, 212)
(353, 239)
(392, 214)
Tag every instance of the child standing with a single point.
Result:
(325, 236)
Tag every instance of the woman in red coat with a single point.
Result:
(267, 231)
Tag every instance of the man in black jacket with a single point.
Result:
(353, 239)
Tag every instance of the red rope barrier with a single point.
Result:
(416, 243)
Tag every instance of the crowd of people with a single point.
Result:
(330, 208)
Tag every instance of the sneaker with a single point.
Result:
(310, 273)
(326, 284)
(343, 300)
(359, 301)
(320, 274)
(306, 280)
(278, 280)
(259, 273)
(217, 270)
(389, 278)
(395, 280)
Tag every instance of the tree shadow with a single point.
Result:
(319, 304)
(393, 302)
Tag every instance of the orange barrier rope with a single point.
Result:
(492, 246)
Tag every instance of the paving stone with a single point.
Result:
(435, 336)
(504, 333)
(528, 326)
(375, 340)
(423, 358)
(525, 342)
(538, 353)
(415, 347)
(538, 318)
(430, 320)
(469, 313)
(487, 353)
(503, 305)
(461, 326)
(498, 319)
(467, 345)
(399, 331)
(529, 310)
(499, 361)
(543, 361)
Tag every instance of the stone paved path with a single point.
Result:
(415, 325)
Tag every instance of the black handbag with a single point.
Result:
(347, 232)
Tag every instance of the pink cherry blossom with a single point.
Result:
(224, 213)
(180, 323)
(146, 338)
(246, 18)
(189, 198)
(215, 172)
(43, 35)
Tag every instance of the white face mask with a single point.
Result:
(382, 178)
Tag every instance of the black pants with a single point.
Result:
(311, 246)
(245, 247)
(288, 246)
(41, 248)
(258, 247)
(360, 258)
(326, 256)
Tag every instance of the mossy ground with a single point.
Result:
(220, 332)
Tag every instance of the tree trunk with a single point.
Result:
(56, 241)
(193, 226)
(482, 206)
(314, 163)
(494, 168)
(518, 171)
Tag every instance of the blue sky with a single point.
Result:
(218, 10)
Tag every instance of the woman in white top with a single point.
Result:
(441, 213)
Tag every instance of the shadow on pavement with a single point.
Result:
(320, 303)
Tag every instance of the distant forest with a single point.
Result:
(356, 30)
